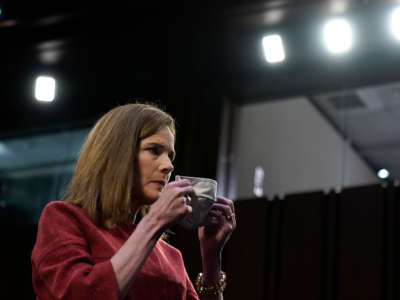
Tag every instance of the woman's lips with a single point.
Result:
(160, 183)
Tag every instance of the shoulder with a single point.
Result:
(61, 206)
(61, 210)
(60, 217)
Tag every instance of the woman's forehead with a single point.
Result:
(163, 136)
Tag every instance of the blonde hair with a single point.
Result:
(103, 182)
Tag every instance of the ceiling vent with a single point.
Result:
(349, 101)
(390, 96)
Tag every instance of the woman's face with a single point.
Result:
(155, 157)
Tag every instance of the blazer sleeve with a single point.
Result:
(62, 267)
(191, 292)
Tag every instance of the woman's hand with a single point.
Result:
(172, 205)
(220, 224)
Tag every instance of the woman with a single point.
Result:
(88, 246)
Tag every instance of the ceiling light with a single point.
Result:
(383, 173)
(338, 36)
(395, 23)
(273, 48)
(45, 88)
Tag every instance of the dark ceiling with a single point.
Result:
(105, 55)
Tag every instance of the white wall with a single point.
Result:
(297, 148)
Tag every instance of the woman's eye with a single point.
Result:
(153, 151)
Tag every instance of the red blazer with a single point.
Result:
(71, 260)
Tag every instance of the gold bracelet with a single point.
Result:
(210, 289)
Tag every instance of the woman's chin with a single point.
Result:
(150, 198)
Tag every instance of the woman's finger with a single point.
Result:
(182, 206)
(229, 202)
(187, 199)
(226, 201)
(225, 209)
(212, 218)
(186, 190)
(180, 183)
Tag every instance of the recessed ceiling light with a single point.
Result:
(395, 23)
(338, 36)
(45, 88)
(273, 48)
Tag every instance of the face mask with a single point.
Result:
(205, 194)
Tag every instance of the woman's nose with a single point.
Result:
(166, 165)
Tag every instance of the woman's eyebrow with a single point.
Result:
(155, 144)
